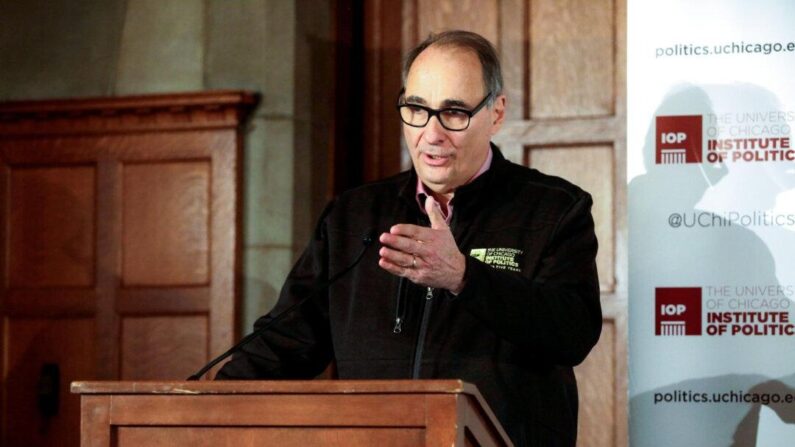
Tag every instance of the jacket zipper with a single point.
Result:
(426, 316)
(400, 309)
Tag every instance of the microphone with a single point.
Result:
(367, 240)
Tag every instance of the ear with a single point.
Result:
(498, 113)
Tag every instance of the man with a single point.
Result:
(485, 272)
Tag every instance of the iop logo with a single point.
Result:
(678, 139)
(677, 311)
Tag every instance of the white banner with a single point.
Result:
(711, 172)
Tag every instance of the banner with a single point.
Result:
(711, 185)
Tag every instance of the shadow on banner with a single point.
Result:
(705, 389)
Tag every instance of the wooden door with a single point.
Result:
(119, 244)
(565, 79)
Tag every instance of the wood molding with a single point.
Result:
(560, 132)
(214, 109)
(383, 64)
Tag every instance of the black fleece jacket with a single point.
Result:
(528, 313)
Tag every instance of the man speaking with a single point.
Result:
(485, 270)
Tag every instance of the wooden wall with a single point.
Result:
(119, 246)
(564, 69)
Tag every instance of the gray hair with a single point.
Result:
(489, 61)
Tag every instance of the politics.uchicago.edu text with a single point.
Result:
(723, 397)
(742, 47)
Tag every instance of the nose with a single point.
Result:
(434, 132)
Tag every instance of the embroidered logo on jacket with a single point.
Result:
(500, 258)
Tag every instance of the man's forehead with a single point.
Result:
(445, 74)
(444, 102)
(445, 58)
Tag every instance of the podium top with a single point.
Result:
(279, 387)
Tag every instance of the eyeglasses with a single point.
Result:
(451, 118)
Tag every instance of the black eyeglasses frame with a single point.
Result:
(437, 112)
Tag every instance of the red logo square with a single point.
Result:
(677, 311)
(678, 139)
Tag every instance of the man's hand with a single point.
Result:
(426, 256)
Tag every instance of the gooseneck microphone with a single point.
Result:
(367, 240)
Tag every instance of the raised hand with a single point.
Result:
(426, 256)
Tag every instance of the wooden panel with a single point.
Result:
(355, 410)
(165, 156)
(381, 84)
(513, 56)
(591, 168)
(479, 16)
(226, 243)
(441, 416)
(437, 406)
(108, 262)
(282, 437)
(31, 344)
(165, 223)
(567, 132)
(335, 412)
(97, 431)
(169, 348)
(571, 58)
(50, 302)
(596, 380)
(51, 227)
(172, 300)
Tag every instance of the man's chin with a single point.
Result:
(438, 185)
(438, 174)
(434, 179)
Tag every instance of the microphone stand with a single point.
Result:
(367, 240)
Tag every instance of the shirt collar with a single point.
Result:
(422, 191)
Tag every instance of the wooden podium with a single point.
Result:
(286, 413)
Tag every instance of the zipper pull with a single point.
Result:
(429, 294)
(398, 326)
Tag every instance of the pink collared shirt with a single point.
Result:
(422, 191)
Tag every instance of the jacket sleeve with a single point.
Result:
(556, 312)
(299, 346)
